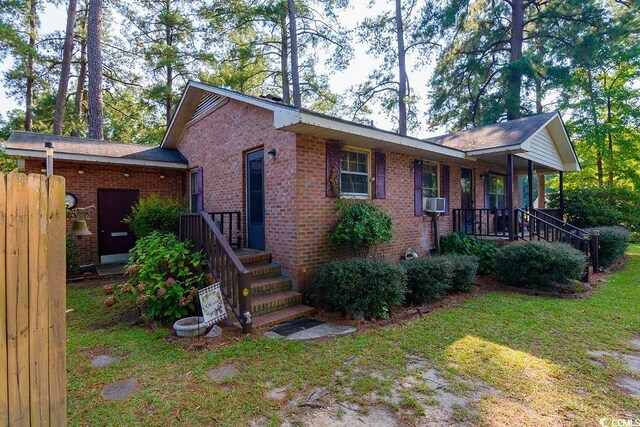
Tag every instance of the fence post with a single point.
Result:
(586, 243)
(595, 248)
(245, 302)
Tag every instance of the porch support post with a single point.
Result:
(561, 204)
(541, 191)
(509, 198)
(530, 183)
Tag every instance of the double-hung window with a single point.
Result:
(354, 173)
(430, 179)
(497, 189)
(195, 178)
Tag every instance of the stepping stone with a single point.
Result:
(629, 385)
(103, 360)
(120, 390)
(222, 373)
(600, 353)
(633, 362)
(279, 393)
(214, 332)
(322, 331)
(635, 343)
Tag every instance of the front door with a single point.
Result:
(114, 236)
(255, 200)
(467, 199)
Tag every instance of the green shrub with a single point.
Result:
(600, 206)
(164, 276)
(613, 243)
(154, 214)
(539, 265)
(361, 226)
(367, 285)
(464, 270)
(460, 243)
(428, 278)
(72, 255)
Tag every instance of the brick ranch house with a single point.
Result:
(265, 169)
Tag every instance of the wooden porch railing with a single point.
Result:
(222, 262)
(229, 226)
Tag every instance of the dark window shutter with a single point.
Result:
(380, 174)
(487, 183)
(445, 192)
(200, 201)
(417, 188)
(333, 162)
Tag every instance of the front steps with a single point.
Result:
(272, 299)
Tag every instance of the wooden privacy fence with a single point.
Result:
(32, 300)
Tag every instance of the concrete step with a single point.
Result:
(281, 316)
(270, 285)
(263, 271)
(254, 257)
(274, 302)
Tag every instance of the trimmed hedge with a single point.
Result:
(428, 278)
(539, 265)
(464, 271)
(361, 285)
(613, 241)
(461, 244)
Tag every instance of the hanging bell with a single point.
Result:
(79, 228)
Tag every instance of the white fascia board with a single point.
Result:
(175, 114)
(262, 103)
(507, 149)
(95, 159)
(283, 119)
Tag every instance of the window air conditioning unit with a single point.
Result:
(433, 204)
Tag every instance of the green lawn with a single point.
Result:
(530, 350)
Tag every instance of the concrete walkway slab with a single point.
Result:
(322, 331)
(110, 270)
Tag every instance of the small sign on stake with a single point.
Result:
(212, 304)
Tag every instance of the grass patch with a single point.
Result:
(532, 350)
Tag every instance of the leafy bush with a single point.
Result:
(613, 243)
(361, 225)
(460, 243)
(601, 206)
(164, 276)
(367, 285)
(428, 278)
(464, 269)
(539, 265)
(154, 214)
(72, 255)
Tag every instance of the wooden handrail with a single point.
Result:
(222, 262)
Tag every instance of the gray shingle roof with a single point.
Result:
(32, 141)
(513, 132)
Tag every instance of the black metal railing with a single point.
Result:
(481, 222)
(230, 226)
(222, 262)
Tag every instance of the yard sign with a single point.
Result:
(212, 304)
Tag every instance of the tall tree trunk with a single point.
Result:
(610, 138)
(67, 54)
(600, 168)
(284, 59)
(295, 71)
(169, 41)
(402, 72)
(94, 56)
(514, 73)
(82, 77)
(31, 67)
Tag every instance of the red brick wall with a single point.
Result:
(85, 188)
(315, 217)
(219, 142)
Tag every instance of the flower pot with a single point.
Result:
(190, 327)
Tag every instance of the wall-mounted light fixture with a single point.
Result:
(80, 170)
(127, 174)
(271, 154)
(162, 176)
(48, 149)
(482, 176)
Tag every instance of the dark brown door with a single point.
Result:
(114, 236)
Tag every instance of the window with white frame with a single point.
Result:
(354, 173)
(497, 189)
(430, 179)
